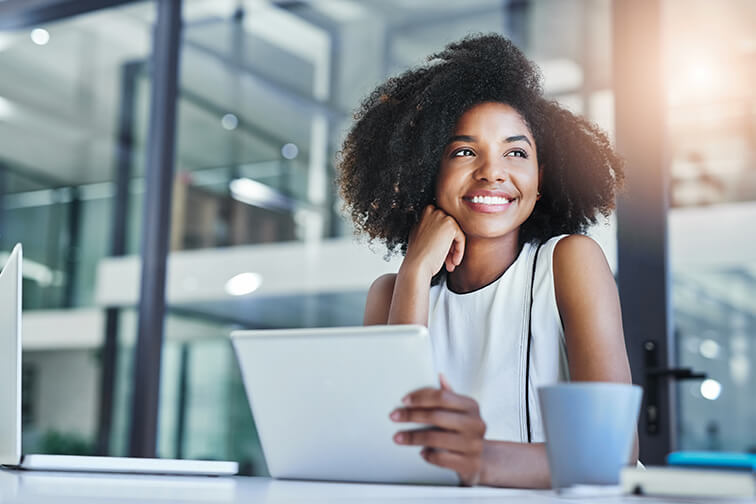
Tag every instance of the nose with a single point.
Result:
(491, 169)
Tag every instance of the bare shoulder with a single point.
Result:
(573, 250)
(383, 285)
(379, 299)
(579, 260)
(580, 272)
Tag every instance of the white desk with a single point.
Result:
(42, 487)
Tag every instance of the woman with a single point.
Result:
(485, 187)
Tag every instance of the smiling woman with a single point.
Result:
(484, 185)
(390, 159)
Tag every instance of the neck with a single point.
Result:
(484, 261)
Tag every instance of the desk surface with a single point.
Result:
(40, 487)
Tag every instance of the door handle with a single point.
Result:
(654, 377)
(676, 373)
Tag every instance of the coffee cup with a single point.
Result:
(590, 428)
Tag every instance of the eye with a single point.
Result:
(517, 153)
(464, 152)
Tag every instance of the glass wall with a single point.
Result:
(61, 122)
(711, 76)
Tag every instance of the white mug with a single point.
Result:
(590, 429)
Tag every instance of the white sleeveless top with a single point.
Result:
(480, 338)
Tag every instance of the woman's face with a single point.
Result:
(489, 173)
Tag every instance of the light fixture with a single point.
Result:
(711, 389)
(258, 194)
(289, 151)
(40, 36)
(709, 349)
(229, 122)
(243, 283)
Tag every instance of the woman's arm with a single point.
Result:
(515, 465)
(400, 298)
(589, 306)
(436, 241)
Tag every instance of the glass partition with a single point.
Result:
(712, 148)
(61, 123)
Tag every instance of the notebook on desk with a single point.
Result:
(711, 459)
(675, 481)
(10, 404)
(696, 474)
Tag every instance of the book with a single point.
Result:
(688, 482)
(731, 460)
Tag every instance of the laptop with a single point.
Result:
(321, 400)
(10, 404)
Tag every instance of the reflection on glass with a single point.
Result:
(714, 317)
(710, 83)
(60, 98)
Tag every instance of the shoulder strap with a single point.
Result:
(527, 354)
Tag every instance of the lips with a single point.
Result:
(489, 194)
(488, 204)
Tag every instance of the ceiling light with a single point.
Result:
(711, 389)
(229, 122)
(709, 349)
(243, 284)
(289, 151)
(258, 194)
(40, 36)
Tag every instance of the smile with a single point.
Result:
(488, 204)
(490, 200)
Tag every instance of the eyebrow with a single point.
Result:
(468, 138)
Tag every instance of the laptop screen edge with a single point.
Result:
(10, 359)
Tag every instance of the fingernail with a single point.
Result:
(395, 415)
(406, 400)
(399, 438)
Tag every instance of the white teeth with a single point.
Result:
(490, 200)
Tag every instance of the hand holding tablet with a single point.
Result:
(456, 441)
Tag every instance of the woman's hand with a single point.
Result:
(436, 240)
(457, 441)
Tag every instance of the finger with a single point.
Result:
(459, 247)
(437, 398)
(448, 420)
(444, 383)
(439, 439)
(447, 459)
(450, 260)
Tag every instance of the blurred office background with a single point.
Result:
(257, 236)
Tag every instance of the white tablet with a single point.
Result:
(321, 400)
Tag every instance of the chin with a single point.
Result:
(487, 233)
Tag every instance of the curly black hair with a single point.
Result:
(391, 156)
